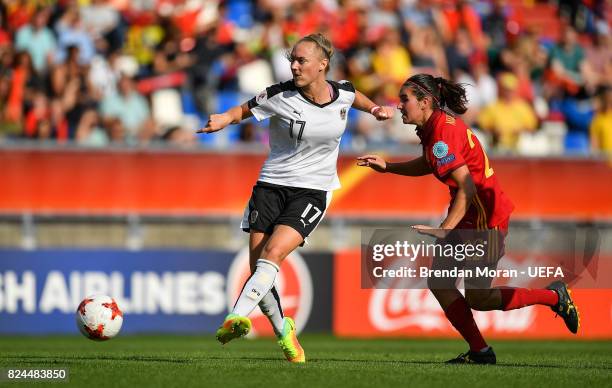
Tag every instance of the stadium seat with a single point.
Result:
(533, 144)
(577, 113)
(188, 102)
(577, 143)
(166, 107)
(346, 142)
(255, 77)
(240, 12)
(555, 131)
(226, 99)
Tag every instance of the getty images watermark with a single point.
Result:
(527, 257)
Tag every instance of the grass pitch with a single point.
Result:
(182, 361)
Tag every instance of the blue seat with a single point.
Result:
(188, 102)
(578, 114)
(577, 143)
(226, 99)
(240, 12)
(346, 142)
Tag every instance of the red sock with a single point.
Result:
(516, 298)
(460, 315)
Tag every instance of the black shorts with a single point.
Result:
(271, 205)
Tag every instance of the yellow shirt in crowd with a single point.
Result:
(601, 131)
(508, 119)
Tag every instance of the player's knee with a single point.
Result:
(274, 253)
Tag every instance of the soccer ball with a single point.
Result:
(99, 318)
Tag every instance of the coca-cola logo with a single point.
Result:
(396, 309)
(294, 286)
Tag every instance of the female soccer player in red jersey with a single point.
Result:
(453, 154)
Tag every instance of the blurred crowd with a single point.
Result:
(143, 72)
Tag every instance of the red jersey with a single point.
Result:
(449, 144)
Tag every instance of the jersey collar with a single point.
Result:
(426, 130)
(334, 97)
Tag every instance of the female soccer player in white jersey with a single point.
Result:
(308, 116)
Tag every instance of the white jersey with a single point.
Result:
(304, 136)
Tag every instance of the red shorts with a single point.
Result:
(469, 223)
(496, 238)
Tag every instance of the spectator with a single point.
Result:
(601, 126)
(459, 53)
(458, 15)
(88, 133)
(391, 63)
(58, 121)
(180, 137)
(380, 43)
(567, 62)
(38, 40)
(421, 14)
(101, 19)
(427, 52)
(102, 76)
(345, 25)
(495, 26)
(39, 112)
(485, 84)
(23, 78)
(599, 61)
(509, 116)
(128, 105)
(70, 32)
(116, 131)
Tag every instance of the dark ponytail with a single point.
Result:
(444, 93)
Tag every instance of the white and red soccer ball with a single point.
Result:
(99, 318)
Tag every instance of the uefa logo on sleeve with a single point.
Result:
(294, 285)
(440, 149)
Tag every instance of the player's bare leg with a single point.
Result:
(281, 243)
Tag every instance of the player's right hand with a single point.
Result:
(375, 162)
(216, 122)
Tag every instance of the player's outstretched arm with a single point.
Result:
(217, 122)
(364, 104)
(414, 167)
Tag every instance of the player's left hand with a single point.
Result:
(384, 113)
(431, 231)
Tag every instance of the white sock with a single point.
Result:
(271, 307)
(256, 287)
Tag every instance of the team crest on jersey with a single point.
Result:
(253, 216)
(262, 96)
(343, 113)
(440, 149)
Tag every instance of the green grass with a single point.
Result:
(164, 361)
